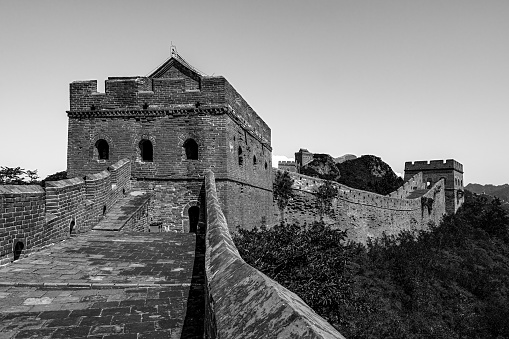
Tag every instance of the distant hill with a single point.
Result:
(500, 191)
(368, 173)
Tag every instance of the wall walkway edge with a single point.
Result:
(242, 302)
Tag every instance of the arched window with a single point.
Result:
(266, 165)
(254, 160)
(146, 150)
(241, 159)
(191, 149)
(429, 183)
(103, 149)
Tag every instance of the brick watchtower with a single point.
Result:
(173, 124)
(452, 173)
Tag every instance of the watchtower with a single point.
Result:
(173, 124)
(302, 158)
(433, 171)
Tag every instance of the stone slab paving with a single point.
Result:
(122, 211)
(107, 285)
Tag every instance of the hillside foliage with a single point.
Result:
(449, 282)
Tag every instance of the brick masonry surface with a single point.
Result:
(366, 215)
(35, 217)
(242, 302)
(167, 109)
(107, 285)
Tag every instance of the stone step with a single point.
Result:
(122, 211)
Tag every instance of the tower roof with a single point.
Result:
(176, 61)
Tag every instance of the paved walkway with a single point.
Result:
(122, 211)
(107, 285)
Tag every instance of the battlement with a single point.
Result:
(433, 165)
(35, 216)
(285, 162)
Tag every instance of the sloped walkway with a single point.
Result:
(107, 285)
(122, 211)
(417, 194)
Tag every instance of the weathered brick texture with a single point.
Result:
(21, 218)
(38, 216)
(172, 105)
(364, 214)
(240, 300)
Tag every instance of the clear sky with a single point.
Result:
(403, 80)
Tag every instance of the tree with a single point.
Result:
(325, 194)
(17, 176)
(283, 192)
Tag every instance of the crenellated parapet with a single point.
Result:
(433, 165)
(450, 171)
(153, 97)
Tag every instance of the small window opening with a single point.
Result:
(18, 249)
(103, 149)
(429, 183)
(123, 191)
(191, 148)
(241, 159)
(147, 151)
(104, 210)
(254, 160)
(145, 106)
(194, 217)
(265, 165)
(71, 227)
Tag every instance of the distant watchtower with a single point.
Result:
(452, 173)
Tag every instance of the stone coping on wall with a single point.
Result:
(20, 189)
(242, 301)
(65, 183)
(97, 176)
(118, 164)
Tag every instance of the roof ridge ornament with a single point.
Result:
(173, 50)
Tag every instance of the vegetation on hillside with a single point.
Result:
(21, 176)
(368, 173)
(282, 191)
(500, 191)
(17, 176)
(449, 282)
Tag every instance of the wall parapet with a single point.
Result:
(237, 292)
(35, 216)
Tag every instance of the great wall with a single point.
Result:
(184, 154)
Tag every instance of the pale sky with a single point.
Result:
(403, 80)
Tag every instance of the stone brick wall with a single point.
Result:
(451, 171)
(243, 302)
(363, 214)
(22, 219)
(38, 216)
(172, 105)
(412, 184)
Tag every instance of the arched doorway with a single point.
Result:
(18, 248)
(194, 217)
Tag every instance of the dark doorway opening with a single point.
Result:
(71, 227)
(18, 248)
(194, 217)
